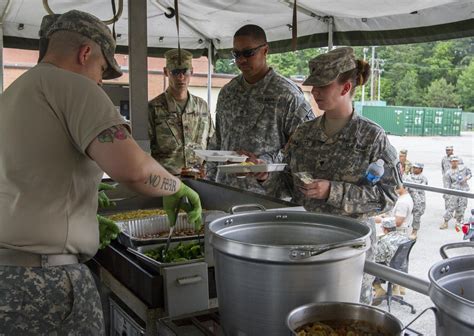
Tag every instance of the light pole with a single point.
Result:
(372, 76)
(363, 86)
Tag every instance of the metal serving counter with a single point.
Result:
(142, 289)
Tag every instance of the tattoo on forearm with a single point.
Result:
(164, 184)
(118, 132)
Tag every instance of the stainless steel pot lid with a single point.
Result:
(295, 237)
(452, 287)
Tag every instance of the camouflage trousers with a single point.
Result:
(456, 205)
(418, 211)
(57, 301)
(366, 293)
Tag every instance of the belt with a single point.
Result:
(27, 259)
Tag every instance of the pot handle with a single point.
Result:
(443, 248)
(434, 309)
(304, 252)
(246, 206)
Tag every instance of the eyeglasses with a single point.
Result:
(246, 52)
(177, 72)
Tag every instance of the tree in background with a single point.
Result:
(411, 72)
(441, 94)
(407, 90)
(465, 87)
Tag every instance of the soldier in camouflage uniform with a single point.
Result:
(445, 166)
(257, 111)
(405, 165)
(336, 150)
(456, 178)
(179, 122)
(418, 196)
(59, 130)
(386, 247)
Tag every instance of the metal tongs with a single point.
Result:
(181, 202)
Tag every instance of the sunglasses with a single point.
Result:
(246, 52)
(177, 72)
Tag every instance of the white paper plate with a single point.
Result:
(220, 156)
(257, 168)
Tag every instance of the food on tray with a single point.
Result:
(181, 252)
(247, 163)
(192, 172)
(340, 328)
(136, 214)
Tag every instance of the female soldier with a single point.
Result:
(335, 150)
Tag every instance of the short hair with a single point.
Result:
(254, 31)
(64, 41)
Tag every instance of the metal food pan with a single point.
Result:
(155, 264)
(138, 232)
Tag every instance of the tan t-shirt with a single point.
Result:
(48, 184)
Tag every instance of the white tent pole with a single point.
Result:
(209, 74)
(5, 9)
(330, 32)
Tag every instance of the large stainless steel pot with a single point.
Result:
(452, 292)
(270, 262)
(337, 311)
(451, 288)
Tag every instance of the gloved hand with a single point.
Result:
(104, 201)
(172, 203)
(108, 231)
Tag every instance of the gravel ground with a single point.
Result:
(425, 253)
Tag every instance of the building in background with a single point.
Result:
(17, 61)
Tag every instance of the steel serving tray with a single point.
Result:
(139, 252)
(256, 168)
(220, 156)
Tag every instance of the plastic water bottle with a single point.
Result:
(375, 171)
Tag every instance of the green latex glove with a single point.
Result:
(104, 201)
(172, 203)
(108, 230)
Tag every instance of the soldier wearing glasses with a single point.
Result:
(179, 122)
(257, 111)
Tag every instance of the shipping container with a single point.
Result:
(467, 121)
(415, 121)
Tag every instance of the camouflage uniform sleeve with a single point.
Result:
(365, 198)
(215, 139)
(151, 128)
(297, 111)
(447, 180)
(382, 251)
(280, 184)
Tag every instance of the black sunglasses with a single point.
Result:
(177, 72)
(246, 52)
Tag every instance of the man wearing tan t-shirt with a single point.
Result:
(58, 133)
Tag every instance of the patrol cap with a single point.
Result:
(403, 151)
(449, 147)
(173, 61)
(388, 223)
(93, 28)
(325, 68)
(418, 165)
(453, 158)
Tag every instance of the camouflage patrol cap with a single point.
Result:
(403, 151)
(173, 61)
(453, 158)
(418, 165)
(93, 28)
(325, 68)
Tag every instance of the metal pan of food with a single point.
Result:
(151, 226)
(179, 253)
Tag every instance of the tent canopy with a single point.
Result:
(363, 22)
